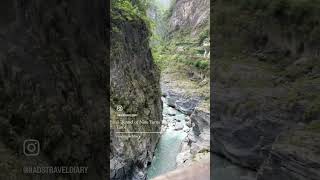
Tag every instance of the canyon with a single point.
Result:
(263, 72)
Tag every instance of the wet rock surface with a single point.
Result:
(190, 120)
(201, 121)
(169, 145)
(182, 126)
(172, 98)
(187, 106)
(180, 102)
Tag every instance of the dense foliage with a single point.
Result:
(130, 10)
(179, 48)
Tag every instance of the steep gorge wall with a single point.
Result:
(266, 82)
(189, 15)
(187, 37)
(135, 86)
(53, 77)
(282, 28)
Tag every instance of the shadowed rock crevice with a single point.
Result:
(53, 76)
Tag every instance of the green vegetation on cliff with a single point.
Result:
(134, 86)
(180, 46)
(125, 10)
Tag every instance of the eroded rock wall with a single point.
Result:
(294, 155)
(135, 86)
(189, 15)
(266, 78)
(53, 77)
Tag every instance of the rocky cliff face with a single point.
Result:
(184, 82)
(53, 77)
(266, 79)
(294, 155)
(189, 15)
(135, 86)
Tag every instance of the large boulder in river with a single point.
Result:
(201, 131)
(178, 126)
(183, 104)
(171, 111)
(186, 106)
(201, 120)
(172, 98)
(202, 144)
(189, 124)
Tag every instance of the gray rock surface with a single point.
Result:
(201, 131)
(264, 89)
(178, 126)
(184, 159)
(294, 156)
(171, 111)
(225, 170)
(189, 124)
(201, 119)
(243, 129)
(135, 86)
(53, 81)
(189, 13)
(172, 98)
(186, 106)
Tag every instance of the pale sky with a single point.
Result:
(164, 3)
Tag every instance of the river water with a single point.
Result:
(169, 144)
(169, 147)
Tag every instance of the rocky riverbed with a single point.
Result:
(185, 133)
(195, 122)
(185, 137)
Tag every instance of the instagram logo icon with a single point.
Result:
(31, 147)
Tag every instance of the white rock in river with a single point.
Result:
(189, 124)
(178, 126)
(184, 159)
(164, 123)
(171, 112)
(186, 129)
(192, 138)
(185, 146)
